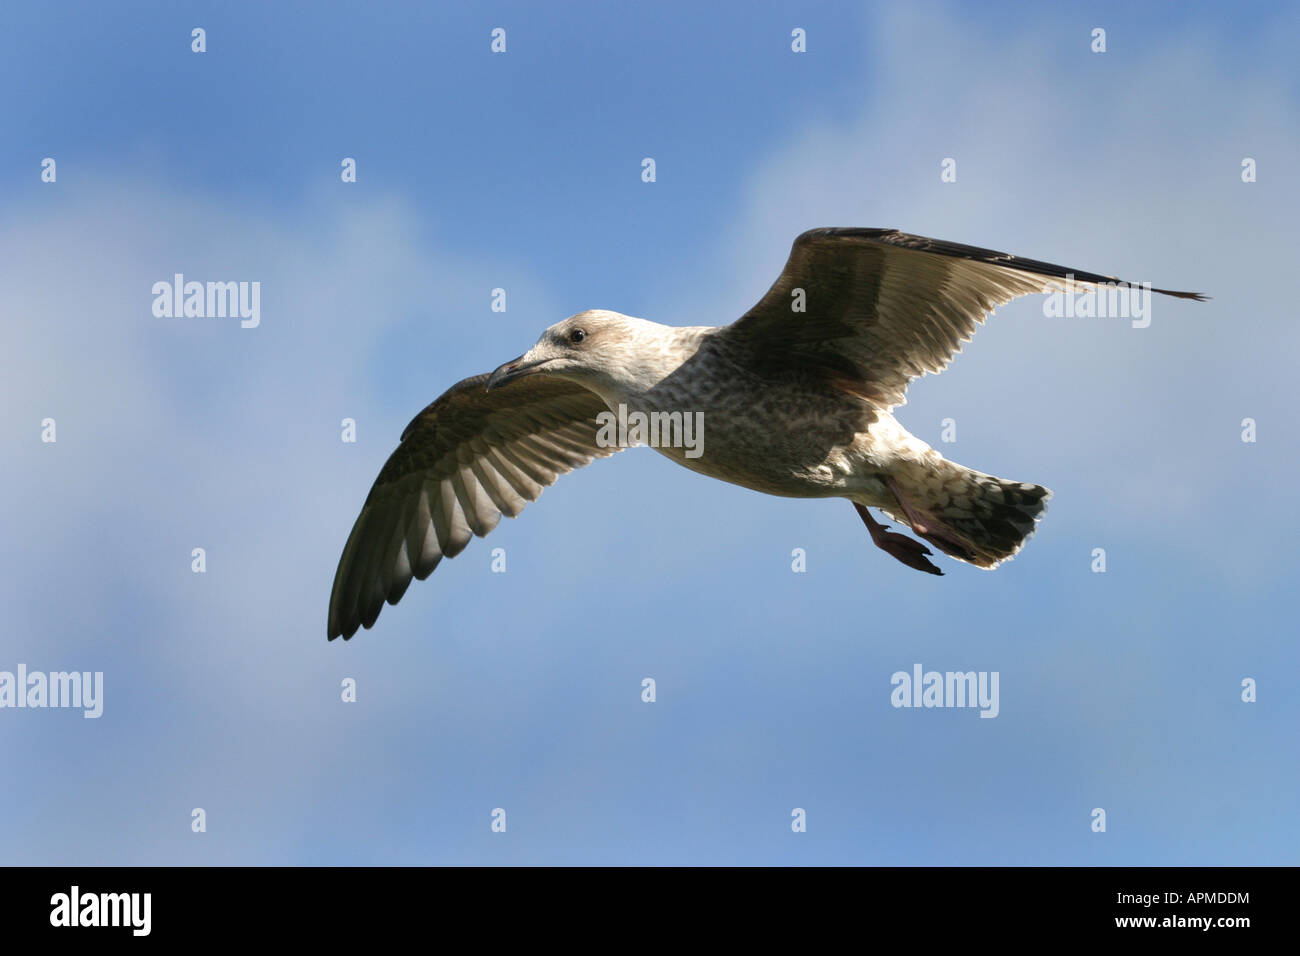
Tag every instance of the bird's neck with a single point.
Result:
(655, 371)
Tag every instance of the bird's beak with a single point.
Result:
(515, 368)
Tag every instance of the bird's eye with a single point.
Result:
(577, 335)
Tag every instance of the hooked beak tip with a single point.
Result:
(502, 374)
(512, 370)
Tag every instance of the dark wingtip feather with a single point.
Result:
(1195, 296)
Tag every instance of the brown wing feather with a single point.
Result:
(467, 459)
(883, 307)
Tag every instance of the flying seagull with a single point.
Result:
(795, 398)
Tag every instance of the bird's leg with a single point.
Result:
(933, 531)
(915, 520)
(910, 552)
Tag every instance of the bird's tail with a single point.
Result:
(967, 514)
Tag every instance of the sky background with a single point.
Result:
(522, 690)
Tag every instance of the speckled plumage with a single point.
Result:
(795, 399)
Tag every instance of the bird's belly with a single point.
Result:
(800, 451)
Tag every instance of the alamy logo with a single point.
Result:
(83, 689)
(102, 909)
(655, 429)
(948, 689)
(213, 300)
(1122, 300)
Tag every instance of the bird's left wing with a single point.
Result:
(881, 307)
(470, 457)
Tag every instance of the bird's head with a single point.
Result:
(592, 348)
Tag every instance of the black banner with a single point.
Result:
(334, 904)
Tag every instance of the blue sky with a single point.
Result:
(522, 690)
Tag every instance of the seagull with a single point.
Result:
(794, 398)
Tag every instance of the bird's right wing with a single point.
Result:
(880, 307)
(470, 457)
